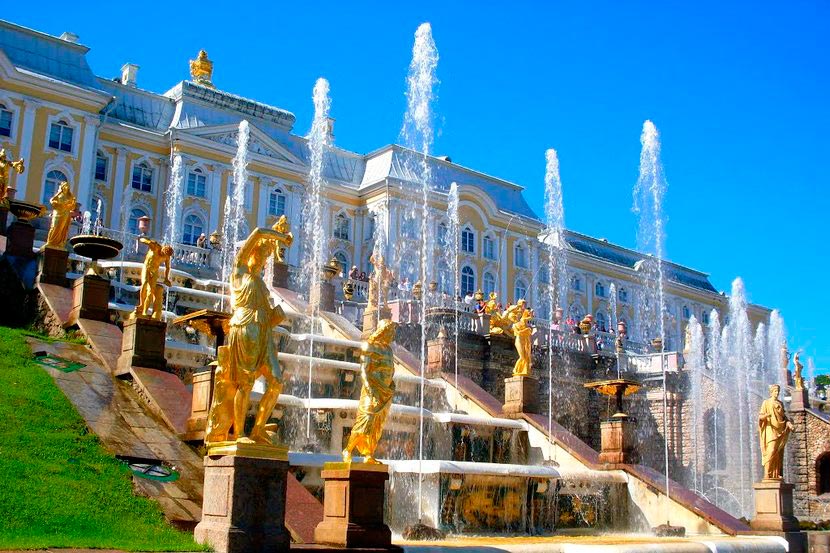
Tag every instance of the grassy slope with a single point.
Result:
(58, 486)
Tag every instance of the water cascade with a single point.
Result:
(776, 339)
(233, 223)
(695, 363)
(612, 319)
(417, 135)
(173, 204)
(450, 247)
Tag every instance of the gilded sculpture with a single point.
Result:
(63, 203)
(201, 70)
(282, 226)
(151, 294)
(798, 379)
(250, 351)
(501, 322)
(376, 395)
(522, 331)
(774, 428)
(6, 168)
(379, 283)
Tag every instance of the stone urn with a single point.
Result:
(348, 289)
(143, 224)
(417, 290)
(95, 247)
(331, 269)
(586, 324)
(215, 240)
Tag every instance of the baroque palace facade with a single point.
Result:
(109, 139)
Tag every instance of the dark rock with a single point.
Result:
(669, 531)
(422, 532)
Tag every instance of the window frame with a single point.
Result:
(519, 284)
(468, 240)
(274, 198)
(488, 252)
(63, 127)
(188, 221)
(517, 248)
(342, 227)
(145, 169)
(467, 274)
(100, 155)
(47, 194)
(4, 109)
(196, 174)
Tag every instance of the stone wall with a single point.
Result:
(809, 440)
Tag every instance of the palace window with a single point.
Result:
(521, 290)
(60, 136)
(576, 283)
(342, 226)
(276, 203)
(489, 247)
(142, 177)
(704, 317)
(344, 262)
(823, 473)
(196, 183)
(5, 121)
(50, 185)
(520, 255)
(600, 289)
(622, 295)
(468, 240)
(194, 226)
(101, 166)
(135, 215)
(601, 321)
(489, 283)
(686, 313)
(468, 281)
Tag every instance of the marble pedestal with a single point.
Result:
(90, 299)
(774, 514)
(21, 239)
(280, 277)
(353, 506)
(52, 267)
(243, 510)
(618, 441)
(203, 384)
(520, 395)
(142, 345)
(371, 317)
(800, 399)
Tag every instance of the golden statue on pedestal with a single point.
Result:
(251, 349)
(798, 380)
(282, 226)
(502, 322)
(63, 202)
(379, 283)
(151, 294)
(6, 167)
(522, 331)
(376, 394)
(774, 428)
(201, 70)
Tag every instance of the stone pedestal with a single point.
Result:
(520, 395)
(244, 502)
(52, 266)
(353, 506)
(90, 299)
(800, 399)
(142, 345)
(774, 507)
(618, 441)
(371, 317)
(202, 397)
(280, 278)
(21, 239)
(327, 296)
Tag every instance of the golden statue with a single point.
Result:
(375, 395)
(151, 294)
(251, 350)
(774, 428)
(522, 331)
(502, 322)
(379, 283)
(201, 70)
(798, 380)
(282, 226)
(63, 202)
(6, 167)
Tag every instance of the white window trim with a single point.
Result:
(153, 181)
(334, 226)
(6, 100)
(471, 230)
(199, 171)
(71, 122)
(110, 166)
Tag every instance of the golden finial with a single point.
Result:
(201, 70)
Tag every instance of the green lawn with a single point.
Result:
(58, 485)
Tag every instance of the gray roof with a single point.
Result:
(46, 55)
(139, 107)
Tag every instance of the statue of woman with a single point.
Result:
(522, 331)
(375, 395)
(774, 428)
(63, 202)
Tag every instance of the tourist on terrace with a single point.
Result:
(201, 242)
(354, 274)
(363, 277)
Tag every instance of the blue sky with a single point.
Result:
(739, 93)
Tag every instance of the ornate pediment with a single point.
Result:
(255, 145)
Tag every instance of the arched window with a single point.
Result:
(50, 185)
(342, 226)
(704, 317)
(142, 177)
(344, 262)
(520, 256)
(601, 321)
(196, 183)
(193, 227)
(576, 283)
(101, 166)
(135, 215)
(468, 240)
(488, 247)
(489, 283)
(60, 136)
(622, 295)
(600, 289)
(520, 291)
(276, 203)
(5, 121)
(686, 313)
(468, 281)
(823, 473)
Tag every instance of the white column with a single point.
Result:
(118, 188)
(359, 237)
(503, 292)
(30, 108)
(533, 283)
(263, 203)
(589, 292)
(87, 162)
